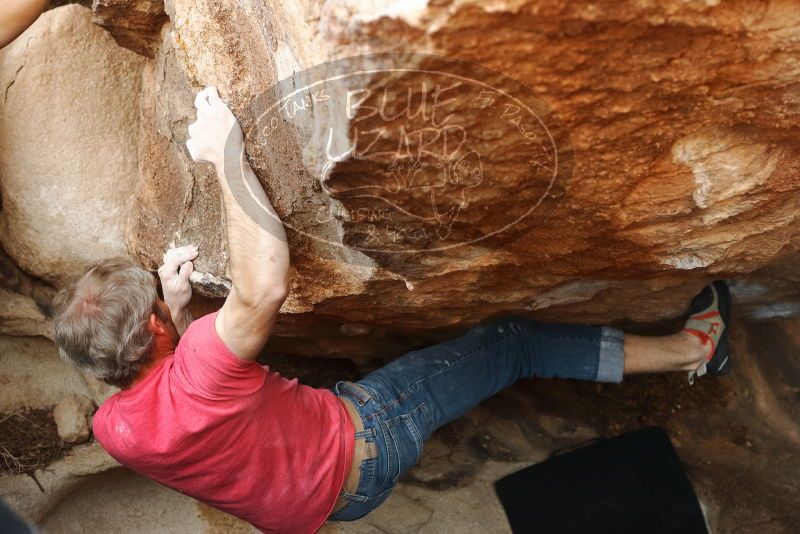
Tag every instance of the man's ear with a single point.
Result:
(155, 325)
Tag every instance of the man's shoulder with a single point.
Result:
(199, 331)
(100, 420)
(105, 406)
(113, 432)
(203, 345)
(201, 324)
(123, 418)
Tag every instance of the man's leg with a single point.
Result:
(403, 403)
(452, 377)
(678, 352)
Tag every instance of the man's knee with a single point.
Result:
(516, 324)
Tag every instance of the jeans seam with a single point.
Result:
(366, 474)
(408, 420)
(396, 442)
(419, 408)
(368, 500)
(388, 450)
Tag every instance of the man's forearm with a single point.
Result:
(16, 16)
(257, 246)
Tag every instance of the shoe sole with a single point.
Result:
(723, 350)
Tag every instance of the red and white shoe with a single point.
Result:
(710, 314)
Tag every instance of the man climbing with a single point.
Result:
(198, 414)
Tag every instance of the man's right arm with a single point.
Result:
(257, 246)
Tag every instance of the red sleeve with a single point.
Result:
(206, 367)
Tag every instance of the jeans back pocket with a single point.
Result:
(404, 443)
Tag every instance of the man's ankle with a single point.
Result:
(692, 349)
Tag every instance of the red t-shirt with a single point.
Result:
(232, 434)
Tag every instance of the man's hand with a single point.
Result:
(174, 275)
(216, 133)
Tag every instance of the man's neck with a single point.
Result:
(162, 349)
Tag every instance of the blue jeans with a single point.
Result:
(403, 403)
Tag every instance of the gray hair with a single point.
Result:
(100, 322)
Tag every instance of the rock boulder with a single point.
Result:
(73, 418)
(134, 24)
(674, 124)
(68, 128)
(594, 163)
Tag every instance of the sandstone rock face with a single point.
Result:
(68, 127)
(73, 415)
(655, 143)
(33, 496)
(19, 316)
(673, 124)
(656, 152)
(25, 302)
(134, 24)
(188, 210)
(34, 376)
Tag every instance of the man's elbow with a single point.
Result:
(267, 297)
(277, 293)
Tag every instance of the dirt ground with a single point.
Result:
(29, 440)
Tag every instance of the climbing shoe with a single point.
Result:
(709, 316)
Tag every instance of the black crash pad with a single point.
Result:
(632, 483)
